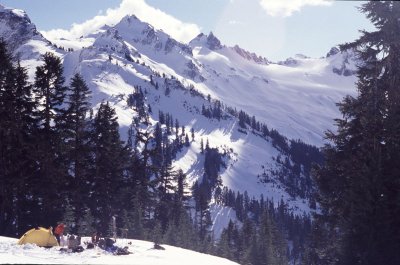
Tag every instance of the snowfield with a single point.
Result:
(142, 253)
(296, 97)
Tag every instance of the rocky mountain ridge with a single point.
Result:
(226, 96)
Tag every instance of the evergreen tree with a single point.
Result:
(50, 94)
(136, 226)
(110, 157)
(358, 185)
(165, 186)
(201, 196)
(225, 243)
(17, 129)
(187, 143)
(50, 91)
(77, 142)
(192, 133)
(271, 248)
(6, 178)
(24, 142)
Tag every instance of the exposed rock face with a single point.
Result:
(193, 72)
(146, 35)
(348, 63)
(251, 56)
(213, 42)
(333, 51)
(16, 28)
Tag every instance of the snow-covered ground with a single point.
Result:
(142, 254)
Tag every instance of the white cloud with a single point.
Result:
(177, 29)
(285, 8)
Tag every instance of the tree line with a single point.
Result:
(62, 161)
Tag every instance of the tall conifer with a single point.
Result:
(359, 186)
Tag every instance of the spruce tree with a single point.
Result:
(6, 97)
(78, 151)
(24, 142)
(12, 126)
(50, 94)
(110, 157)
(359, 186)
(17, 146)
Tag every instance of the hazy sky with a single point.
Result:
(276, 29)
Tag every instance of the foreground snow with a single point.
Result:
(142, 253)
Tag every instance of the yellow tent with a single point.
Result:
(40, 236)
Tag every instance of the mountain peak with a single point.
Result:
(16, 28)
(213, 42)
(142, 35)
(209, 41)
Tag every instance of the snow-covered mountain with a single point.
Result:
(27, 44)
(296, 97)
(142, 253)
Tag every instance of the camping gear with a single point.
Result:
(107, 244)
(73, 241)
(122, 251)
(63, 241)
(40, 236)
(90, 246)
(102, 244)
(158, 247)
(77, 249)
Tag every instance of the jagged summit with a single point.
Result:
(213, 42)
(130, 17)
(210, 41)
(131, 28)
(251, 56)
(17, 12)
(198, 40)
(16, 27)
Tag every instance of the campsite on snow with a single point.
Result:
(142, 254)
(135, 138)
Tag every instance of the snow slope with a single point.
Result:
(142, 254)
(297, 97)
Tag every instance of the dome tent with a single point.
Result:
(40, 236)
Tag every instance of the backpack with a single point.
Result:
(122, 251)
(77, 249)
(90, 246)
(102, 244)
(109, 242)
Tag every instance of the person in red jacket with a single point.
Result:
(58, 231)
